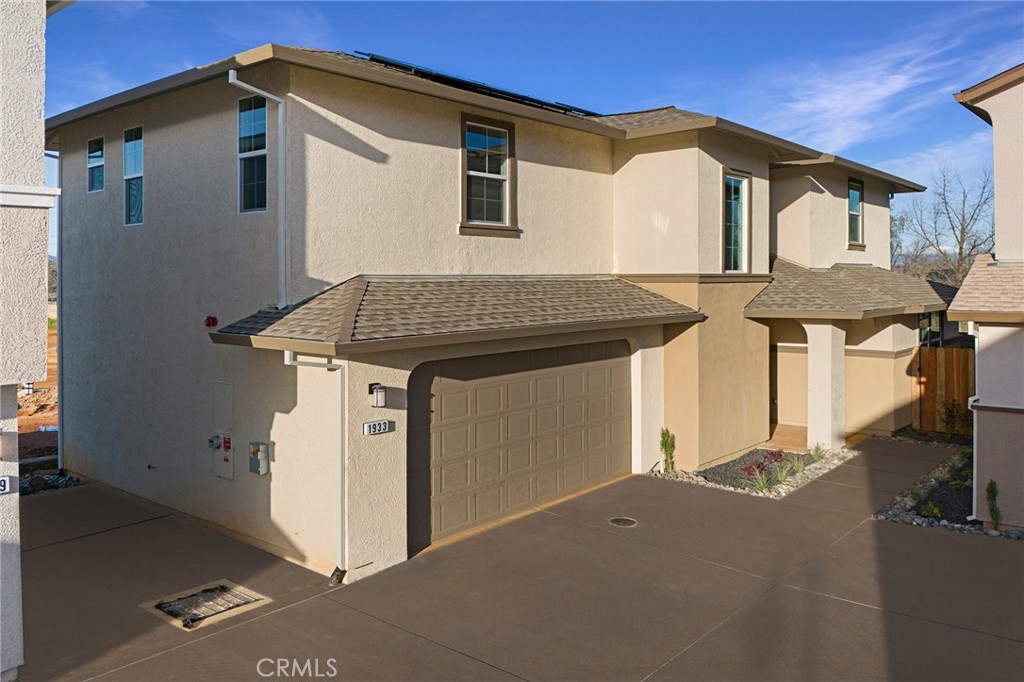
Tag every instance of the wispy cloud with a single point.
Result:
(85, 82)
(290, 24)
(838, 103)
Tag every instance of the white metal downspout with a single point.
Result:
(974, 427)
(60, 314)
(282, 231)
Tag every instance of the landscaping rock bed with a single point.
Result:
(41, 481)
(740, 474)
(942, 498)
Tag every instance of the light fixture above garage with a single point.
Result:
(380, 395)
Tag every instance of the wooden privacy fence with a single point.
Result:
(943, 381)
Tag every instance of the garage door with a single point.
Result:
(493, 435)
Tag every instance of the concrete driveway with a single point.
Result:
(710, 585)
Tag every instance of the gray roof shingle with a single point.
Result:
(381, 308)
(845, 290)
(649, 118)
(991, 286)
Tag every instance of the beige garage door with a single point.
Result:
(496, 434)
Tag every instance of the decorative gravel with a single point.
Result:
(41, 481)
(728, 476)
(954, 505)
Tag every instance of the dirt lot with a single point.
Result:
(40, 409)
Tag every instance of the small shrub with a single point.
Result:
(782, 471)
(51, 323)
(950, 416)
(930, 510)
(760, 480)
(918, 496)
(818, 452)
(774, 457)
(797, 463)
(955, 485)
(994, 513)
(668, 449)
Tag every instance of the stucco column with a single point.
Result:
(826, 383)
(11, 653)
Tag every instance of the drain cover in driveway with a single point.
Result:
(623, 521)
(193, 609)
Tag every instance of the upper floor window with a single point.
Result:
(133, 204)
(94, 165)
(736, 219)
(856, 211)
(252, 154)
(489, 180)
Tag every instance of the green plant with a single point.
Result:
(818, 452)
(955, 417)
(760, 480)
(955, 485)
(797, 463)
(930, 510)
(994, 513)
(918, 496)
(782, 471)
(668, 448)
(51, 323)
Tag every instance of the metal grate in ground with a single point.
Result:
(194, 608)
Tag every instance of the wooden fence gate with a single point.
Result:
(943, 382)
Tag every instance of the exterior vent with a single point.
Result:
(193, 609)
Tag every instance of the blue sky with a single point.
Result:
(871, 81)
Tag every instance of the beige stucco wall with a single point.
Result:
(668, 202)
(998, 458)
(878, 376)
(375, 182)
(22, 280)
(810, 217)
(656, 203)
(1006, 109)
(1000, 365)
(376, 522)
(716, 372)
(138, 366)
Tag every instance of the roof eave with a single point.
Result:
(992, 316)
(897, 184)
(783, 313)
(407, 342)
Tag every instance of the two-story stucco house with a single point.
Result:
(439, 304)
(992, 297)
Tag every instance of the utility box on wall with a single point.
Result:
(259, 458)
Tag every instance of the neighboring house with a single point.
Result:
(529, 290)
(992, 297)
(23, 239)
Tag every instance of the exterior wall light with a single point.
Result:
(380, 395)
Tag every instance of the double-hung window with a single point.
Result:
(94, 165)
(489, 165)
(252, 154)
(736, 219)
(856, 212)
(133, 204)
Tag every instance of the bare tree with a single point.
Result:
(939, 240)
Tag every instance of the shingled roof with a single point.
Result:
(379, 312)
(649, 118)
(992, 292)
(845, 291)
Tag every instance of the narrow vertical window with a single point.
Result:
(252, 154)
(735, 218)
(94, 164)
(856, 212)
(133, 205)
(488, 164)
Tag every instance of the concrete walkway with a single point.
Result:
(710, 585)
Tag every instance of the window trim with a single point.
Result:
(748, 183)
(510, 227)
(124, 182)
(89, 164)
(245, 155)
(856, 245)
